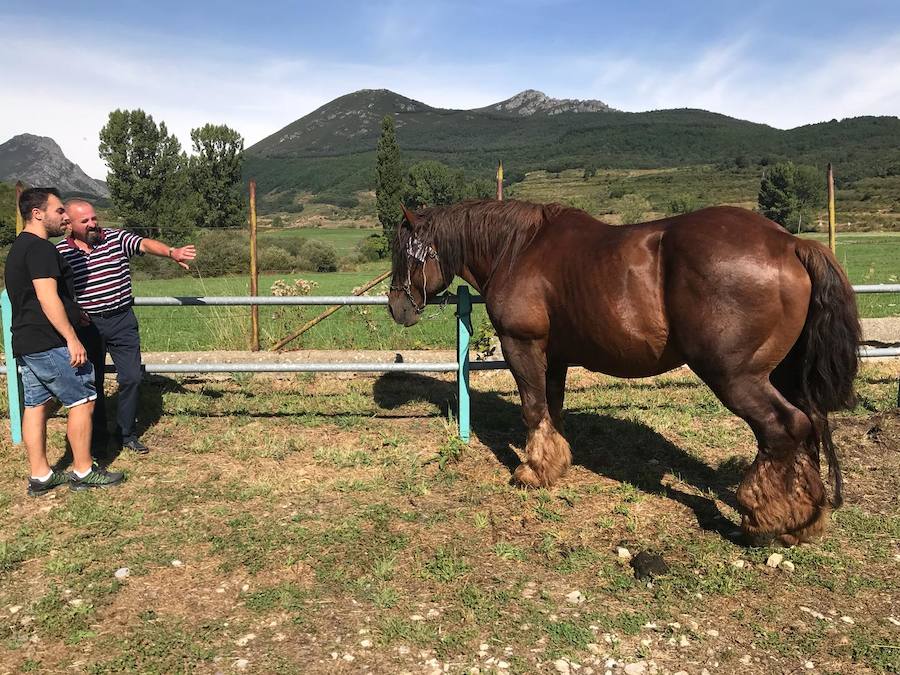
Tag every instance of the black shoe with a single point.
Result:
(136, 446)
(97, 478)
(36, 487)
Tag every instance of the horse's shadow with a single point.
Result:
(620, 449)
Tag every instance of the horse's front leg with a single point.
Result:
(548, 453)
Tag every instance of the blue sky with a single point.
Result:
(258, 66)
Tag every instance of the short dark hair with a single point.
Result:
(35, 198)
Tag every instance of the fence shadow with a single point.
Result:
(619, 449)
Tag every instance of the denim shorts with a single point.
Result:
(49, 374)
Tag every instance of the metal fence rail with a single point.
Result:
(462, 299)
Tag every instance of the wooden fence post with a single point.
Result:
(20, 225)
(254, 272)
(500, 181)
(832, 236)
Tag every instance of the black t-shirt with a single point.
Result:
(31, 257)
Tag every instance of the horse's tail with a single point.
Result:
(829, 349)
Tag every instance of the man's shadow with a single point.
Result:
(620, 449)
(150, 410)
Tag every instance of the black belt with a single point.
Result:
(110, 312)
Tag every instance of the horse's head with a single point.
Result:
(416, 272)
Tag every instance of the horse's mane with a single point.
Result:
(491, 227)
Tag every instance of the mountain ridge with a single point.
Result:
(39, 161)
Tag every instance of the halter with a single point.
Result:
(421, 253)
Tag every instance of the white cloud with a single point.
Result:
(257, 93)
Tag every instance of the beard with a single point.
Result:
(58, 229)
(93, 237)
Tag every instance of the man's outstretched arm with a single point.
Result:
(182, 255)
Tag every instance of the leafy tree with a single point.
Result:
(790, 194)
(147, 176)
(633, 208)
(589, 172)
(7, 214)
(431, 183)
(215, 175)
(388, 179)
(684, 203)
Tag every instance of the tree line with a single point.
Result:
(158, 190)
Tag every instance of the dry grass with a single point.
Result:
(323, 518)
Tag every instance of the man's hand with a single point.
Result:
(183, 255)
(77, 353)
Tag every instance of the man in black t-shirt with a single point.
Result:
(52, 360)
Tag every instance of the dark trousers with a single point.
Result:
(118, 335)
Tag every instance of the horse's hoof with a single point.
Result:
(524, 475)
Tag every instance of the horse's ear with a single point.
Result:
(408, 215)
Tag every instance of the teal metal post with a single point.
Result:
(14, 390)
(463, 336)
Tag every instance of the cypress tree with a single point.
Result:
(388, 180)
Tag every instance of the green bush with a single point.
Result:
(275, 259)
(684, 204)
(372, 248)
(223, 252)
(318, 256)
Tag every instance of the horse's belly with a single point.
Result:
(622, 356)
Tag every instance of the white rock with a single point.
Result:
(245, 640)
(646, 642)
(623, 553)
(416, 617)
(639, 668)
(77, 602)
(712, 632)
(746, 659)
(786, 565)
(893, 621)
(739, 564)
(575, 598)
(177, 563)
(122, 573)
(681, 672)
(809, 665)
(593, 648)
(365, 644)
(245, 588)
(847, 619)
(502, 665)
(220, 589)
(774, 560)
(15, 609)
(562, 666)
(348, 658)
(684, 642)
(279, 637)
(484, 646)
(241, 664)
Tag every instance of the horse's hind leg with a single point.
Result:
(548, 453)
(782, 493)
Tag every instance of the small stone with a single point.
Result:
(122, 573)
(593, 648)
(15, 609)
(623, 553)
(746, 659)
(241, 664)
(177, 563)
(639, 668)
(575, 598)
(279, 637)
(847, 619)
(739, 564)
(365, 644)
(787, 566)
(349, 658)
(245, 588)
(244, 641)
(680, 672)
(416, 617)
(684, 642)
(562, 666)
(484, 646)
(432, 613)
(77, 602)
(220, 589)
(809, 665)
(712, 632)
(774, 560)
(502, 665)
(893, 621)
(646, 642)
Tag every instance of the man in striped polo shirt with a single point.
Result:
(99, 258)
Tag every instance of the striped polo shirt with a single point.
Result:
(102, 276)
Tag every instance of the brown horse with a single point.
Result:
(767, 320)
